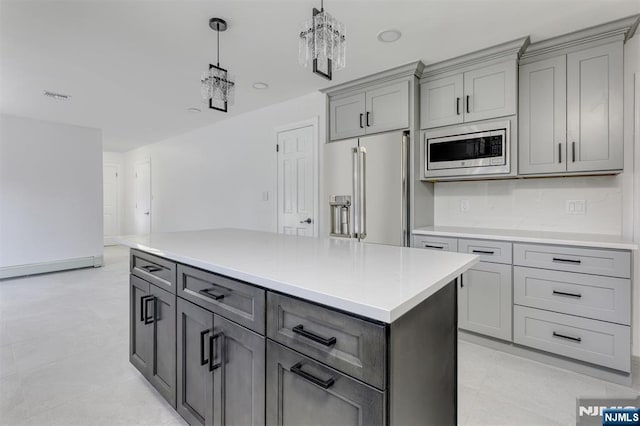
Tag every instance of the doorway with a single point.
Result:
(297, 152)
(111, 202)
(142, 213)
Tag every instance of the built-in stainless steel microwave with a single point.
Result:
(467, 150)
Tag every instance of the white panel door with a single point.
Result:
(490, 92)
(142, 213)
(296, 181)
(595, 108)
(542, 133)
(346, 116)
(387, 108)
(110, 201)
(441, 102)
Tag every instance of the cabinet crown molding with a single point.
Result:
(408, 70)
(509, 50)
(620, 30)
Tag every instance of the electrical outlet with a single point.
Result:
(464, 205)
(576, 207)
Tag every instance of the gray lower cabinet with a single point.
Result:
(152, 337)
(301, 391)
(220, 369)
(485, 300)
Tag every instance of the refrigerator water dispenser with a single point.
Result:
(340, 210)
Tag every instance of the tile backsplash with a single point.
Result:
(543, 204)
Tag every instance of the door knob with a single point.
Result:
(147, 213)
(307, 220)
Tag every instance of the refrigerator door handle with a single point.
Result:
(363, 193)
(356, 187)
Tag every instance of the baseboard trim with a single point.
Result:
(603, 373)
(110, 241)
(44, 267)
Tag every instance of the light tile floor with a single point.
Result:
(64, 361)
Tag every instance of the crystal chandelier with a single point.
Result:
(217, 84)
(322, 42)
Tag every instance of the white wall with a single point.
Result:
(50, 192)
(216, 176)
(117, 159)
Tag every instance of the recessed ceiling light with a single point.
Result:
(260, 85)
(389, 36)
(57, 96)
(194, 110)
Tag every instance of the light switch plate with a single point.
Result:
(464, 205)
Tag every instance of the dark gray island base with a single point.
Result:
(227, 352)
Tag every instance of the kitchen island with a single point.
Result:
(245, 327)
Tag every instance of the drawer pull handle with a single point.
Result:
(312, 336)
(324, 384)
(212, 340)
(203, 360)
(433, 247)
(151, 268)
(562, 336)
(562, 293)
(559, 259)
(483, 252)
(208, 293)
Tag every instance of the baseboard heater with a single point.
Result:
(44, 267)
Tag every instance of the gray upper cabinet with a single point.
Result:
(387, 108)
(473, 95)
(490, 92)
(485, 300)
(346, 116)
(571, 102)
(543, 117)
(441, 101)
(239, 382)
(379, 108)
(594, 108)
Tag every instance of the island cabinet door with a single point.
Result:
(302, 392)
(140, 325)
(163, 371)
(195, 365)
(239, 382)
(485, 300)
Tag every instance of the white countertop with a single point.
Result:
(570, 239)
(375, 281)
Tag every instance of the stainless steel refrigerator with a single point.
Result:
(366, 188)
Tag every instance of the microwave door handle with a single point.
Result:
(356, 201)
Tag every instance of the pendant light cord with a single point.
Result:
(218, 31)
(321, 5)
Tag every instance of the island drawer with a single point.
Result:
(614, 263)
(301, 391)
(488, 250)
(435, 243)
(154, 269)
(597, 342)
(591, 296)
(235, 300)
(349, 344)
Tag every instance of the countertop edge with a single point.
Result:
(525, 239)
(367, 311)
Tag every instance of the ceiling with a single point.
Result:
(133, 67)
